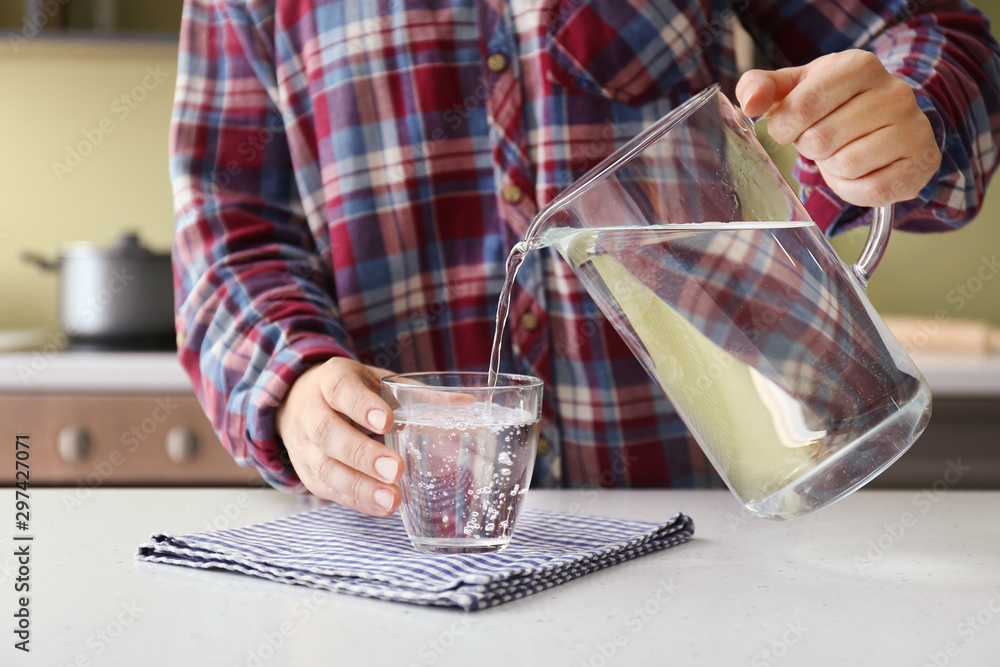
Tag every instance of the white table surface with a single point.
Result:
(849, 586)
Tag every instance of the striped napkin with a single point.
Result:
(338, 549)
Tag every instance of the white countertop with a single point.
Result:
(85, 371)
(960, 375)
(949, 375)
(882, 579)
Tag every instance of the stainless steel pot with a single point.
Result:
(114, 298)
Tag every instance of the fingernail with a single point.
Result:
(384, 498)
(376, 419)
(387, 467)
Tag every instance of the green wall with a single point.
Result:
(56, 94)
(63, 98)
(10, 14)
(950, 275)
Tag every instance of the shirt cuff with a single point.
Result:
(259, 404)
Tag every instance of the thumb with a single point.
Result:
(758, 90)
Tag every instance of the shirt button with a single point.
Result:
(181, 339)
(529, 321)
(543, 446)
(497, 62)
(512, 194)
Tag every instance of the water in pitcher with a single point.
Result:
(708, 307)
(467, 470)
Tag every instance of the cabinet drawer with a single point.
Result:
(960, 449)
(118, 440)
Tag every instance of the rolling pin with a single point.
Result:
(928, 335)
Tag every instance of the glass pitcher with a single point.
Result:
(705, 261)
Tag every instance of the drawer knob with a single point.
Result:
(74, 444)
(182, 444)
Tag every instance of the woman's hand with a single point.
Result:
(859, 123)
(323, 423)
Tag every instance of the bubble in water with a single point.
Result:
(475, 463)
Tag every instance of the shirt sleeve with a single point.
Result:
(944, 50)
(254, 305)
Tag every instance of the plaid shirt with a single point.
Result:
(349, 177)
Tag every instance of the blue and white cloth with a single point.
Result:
(339, 549)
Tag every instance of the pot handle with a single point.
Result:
(42, 262)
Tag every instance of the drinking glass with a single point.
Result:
(469, 450)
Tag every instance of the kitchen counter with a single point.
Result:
(949, 375)
(118, 418)
(86, 371)
(960, 375)
(881, 578)
(106, 396)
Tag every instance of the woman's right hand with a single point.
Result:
(324, 422)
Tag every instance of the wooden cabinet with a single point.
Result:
(92, 440)
(959, 449)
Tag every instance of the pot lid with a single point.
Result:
(128, 247)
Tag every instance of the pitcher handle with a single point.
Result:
(878, 236)
(878, 241)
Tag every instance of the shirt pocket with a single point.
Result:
(630, 50)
